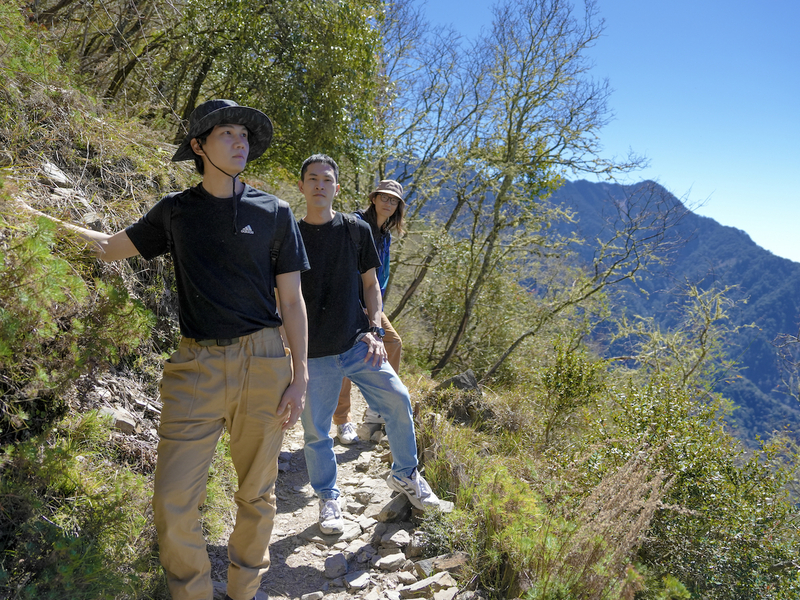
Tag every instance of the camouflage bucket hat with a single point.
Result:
(220, 112)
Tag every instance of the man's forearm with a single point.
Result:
(107, 247)
(295, 324)
(372, 298)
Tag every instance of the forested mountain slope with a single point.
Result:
(707, 254)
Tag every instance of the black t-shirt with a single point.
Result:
(330, 287)
(221, 252)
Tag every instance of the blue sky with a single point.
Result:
(709, 91)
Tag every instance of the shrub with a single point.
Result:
(542, 544)
(73, 524)
(54, 325)
(728, 528)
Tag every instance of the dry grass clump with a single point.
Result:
(609, 525)
(535, 527)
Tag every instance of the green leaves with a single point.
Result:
(55, 325)
(310, 65)
(727, 518)
(72, 525)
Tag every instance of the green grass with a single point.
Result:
(75, 523)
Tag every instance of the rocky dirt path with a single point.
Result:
(378, 555)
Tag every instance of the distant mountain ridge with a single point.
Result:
(719, 256)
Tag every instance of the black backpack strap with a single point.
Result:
(166, 215)
(354, 230)
(355, 236)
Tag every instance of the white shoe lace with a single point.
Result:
(330, 510)
(421, 487)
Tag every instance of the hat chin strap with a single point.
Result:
(233, 188)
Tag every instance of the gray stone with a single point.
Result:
(373, 594)
(384, 551)
(358, 580)
(355, 508)
(397, 509)
(335, 566)
(392, 562)
(427, 587)
(312, 596)
(93, 220)
(356, 546)
(366, 553)
(375, 509)
(472, 595)
(451, 563)
(416, 546)
(463, 381)
(362, 463)
(364, 492)
(406, 578)
(352, 530)
(366, 522)
(446, 594)
(55, 175)
(123, 419)
(366, 430)
(396, 539)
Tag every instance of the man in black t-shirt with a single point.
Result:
(232, 246)
(344, 340)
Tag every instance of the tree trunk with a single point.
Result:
(423, 270)
(191, 101)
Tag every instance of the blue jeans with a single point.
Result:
(384, 393)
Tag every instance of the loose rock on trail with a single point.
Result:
(379, 554)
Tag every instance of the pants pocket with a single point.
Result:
(267, 379)
(178, 387)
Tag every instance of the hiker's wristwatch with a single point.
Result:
(379, 331)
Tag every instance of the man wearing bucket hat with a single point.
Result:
(232, 246)
(384, 214)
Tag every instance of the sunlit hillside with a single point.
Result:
(574, 474)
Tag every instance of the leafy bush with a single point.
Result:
(728, 528)
(73, 524)
(55, 325)
(537, 537)
(568, 385)
(23, 53)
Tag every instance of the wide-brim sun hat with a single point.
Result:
(226, 112)
(390, 187)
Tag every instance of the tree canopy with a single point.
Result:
(310, 65)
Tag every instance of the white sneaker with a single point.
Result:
(370, 416)
(416, 488)
(330, 517)
(346, 432)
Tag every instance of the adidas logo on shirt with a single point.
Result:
(248, 229)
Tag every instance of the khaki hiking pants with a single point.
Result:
(238, 386)
(394, 349)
